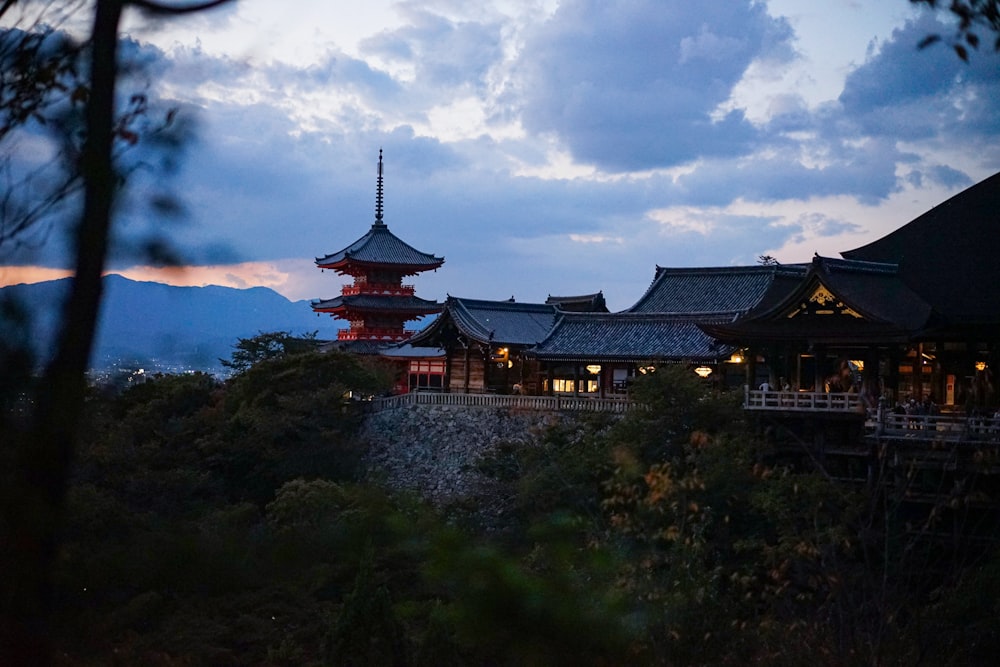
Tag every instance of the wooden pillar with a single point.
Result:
(819, 372)
(894, 356)
(751, 368)
(468, 364)
(918, 373)
(446, 381)
(487, 362)
(869, 376)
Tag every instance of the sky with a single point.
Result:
(542, 147)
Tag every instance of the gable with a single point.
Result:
(821, 302)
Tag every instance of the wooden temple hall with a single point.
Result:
(910, 322)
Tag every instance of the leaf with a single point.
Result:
(962, 52)
(928, 40)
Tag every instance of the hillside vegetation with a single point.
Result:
(228, 524)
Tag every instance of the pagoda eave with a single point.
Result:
(350, 266)
(347, 313)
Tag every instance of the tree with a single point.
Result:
(37, 488)
(250, 351)
(972, 16)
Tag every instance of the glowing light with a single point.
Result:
(980, 365)
(703, 371)
(594, 369)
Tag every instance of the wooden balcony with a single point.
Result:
(940, 428)
(378, 289)
(390, 335)
(802, 401)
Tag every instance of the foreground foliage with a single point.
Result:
(233, 524)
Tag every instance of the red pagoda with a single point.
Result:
(377, 304)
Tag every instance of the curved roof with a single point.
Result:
(493, 322)
(376, 303)
(713, 289)
(948, 254)
(837, 301)
(380, 248)
(632, 337)
(584, 303)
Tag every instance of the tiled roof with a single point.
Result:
(381, 247)
(375, 303)
(584, 303)
(885, 307)
(703, 290)
(494, 322)
(631, 337)
(948, 254)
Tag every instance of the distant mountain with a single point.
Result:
(163, 327)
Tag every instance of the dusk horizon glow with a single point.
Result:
(549, 148)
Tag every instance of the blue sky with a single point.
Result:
(548, 147)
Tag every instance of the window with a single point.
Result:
(426, 374)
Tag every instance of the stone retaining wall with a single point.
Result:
(434, 450)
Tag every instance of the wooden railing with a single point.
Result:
(802, 401)
(949, 428)
(375, 334)
(547, 403)
(377, 288)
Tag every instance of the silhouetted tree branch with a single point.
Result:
(972, 16)
(37, 487)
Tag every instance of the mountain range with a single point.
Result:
(167, 328)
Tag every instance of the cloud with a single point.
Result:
(912, 94)
(550, 147)
(634, 86)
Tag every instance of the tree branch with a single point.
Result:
(160, 8)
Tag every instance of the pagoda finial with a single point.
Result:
(378, 192)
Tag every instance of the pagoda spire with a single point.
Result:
(378, 193)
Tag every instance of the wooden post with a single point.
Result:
(468, 364)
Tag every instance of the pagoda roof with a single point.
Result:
(380, 248)
(373, 303)
(492, 322)
(948, 255)
(632, 337)
(837, 301)
(713, 289)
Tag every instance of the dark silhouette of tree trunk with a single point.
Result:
(36, 495)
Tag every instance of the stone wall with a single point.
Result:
(434, 450)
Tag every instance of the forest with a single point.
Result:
(236, 523)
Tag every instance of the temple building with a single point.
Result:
(377, 304)
(484, 342)
(913, 316)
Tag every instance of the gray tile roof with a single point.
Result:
(887, 309)
(705, 290)
(380, 246)
(583, 303)
(375, 303)
(495, 322)
(631, 337)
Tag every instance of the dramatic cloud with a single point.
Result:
(542, 147)
(638, 85)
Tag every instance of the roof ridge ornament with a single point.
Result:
(378, 193)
